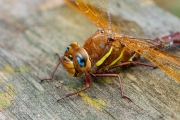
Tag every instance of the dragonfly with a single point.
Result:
(106, 49)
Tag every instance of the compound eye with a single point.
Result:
(81, 60)
(67, 49)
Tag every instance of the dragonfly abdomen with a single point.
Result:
(104, 53)
(170, 39)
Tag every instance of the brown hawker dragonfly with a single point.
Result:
(106, 49)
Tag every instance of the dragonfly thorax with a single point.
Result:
(76, 60)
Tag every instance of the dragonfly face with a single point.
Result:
(76, 60)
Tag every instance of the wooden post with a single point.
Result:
(33, 31)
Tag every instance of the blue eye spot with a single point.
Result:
(67, 49)
(81, 60)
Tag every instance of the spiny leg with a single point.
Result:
(74, 93)
(52, 75)
(113, 75)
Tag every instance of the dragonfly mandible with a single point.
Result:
(106, 49)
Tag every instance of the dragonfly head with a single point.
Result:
(76, 60)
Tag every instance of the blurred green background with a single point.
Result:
(172, 6)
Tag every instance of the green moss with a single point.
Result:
(6, 98)
(97, 103)
(8, 69)
(106, 80)
(23, 69)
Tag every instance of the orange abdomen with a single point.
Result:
(99, 46)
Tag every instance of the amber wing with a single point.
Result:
(120, 25)
(88, 8)
(167, 62)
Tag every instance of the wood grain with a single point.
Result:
(33, 31)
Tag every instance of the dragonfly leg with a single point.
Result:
(52, 75)
(71, 94)
(132, 63)
(170, 39)
(113, 75)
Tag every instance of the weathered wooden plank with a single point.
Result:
(31, 35)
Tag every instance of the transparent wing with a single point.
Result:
(168, 62)
(93, 11)
(126, 27)
(72, 4)
(102, 8)
(117, 24)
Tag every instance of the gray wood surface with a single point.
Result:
(31, 32)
